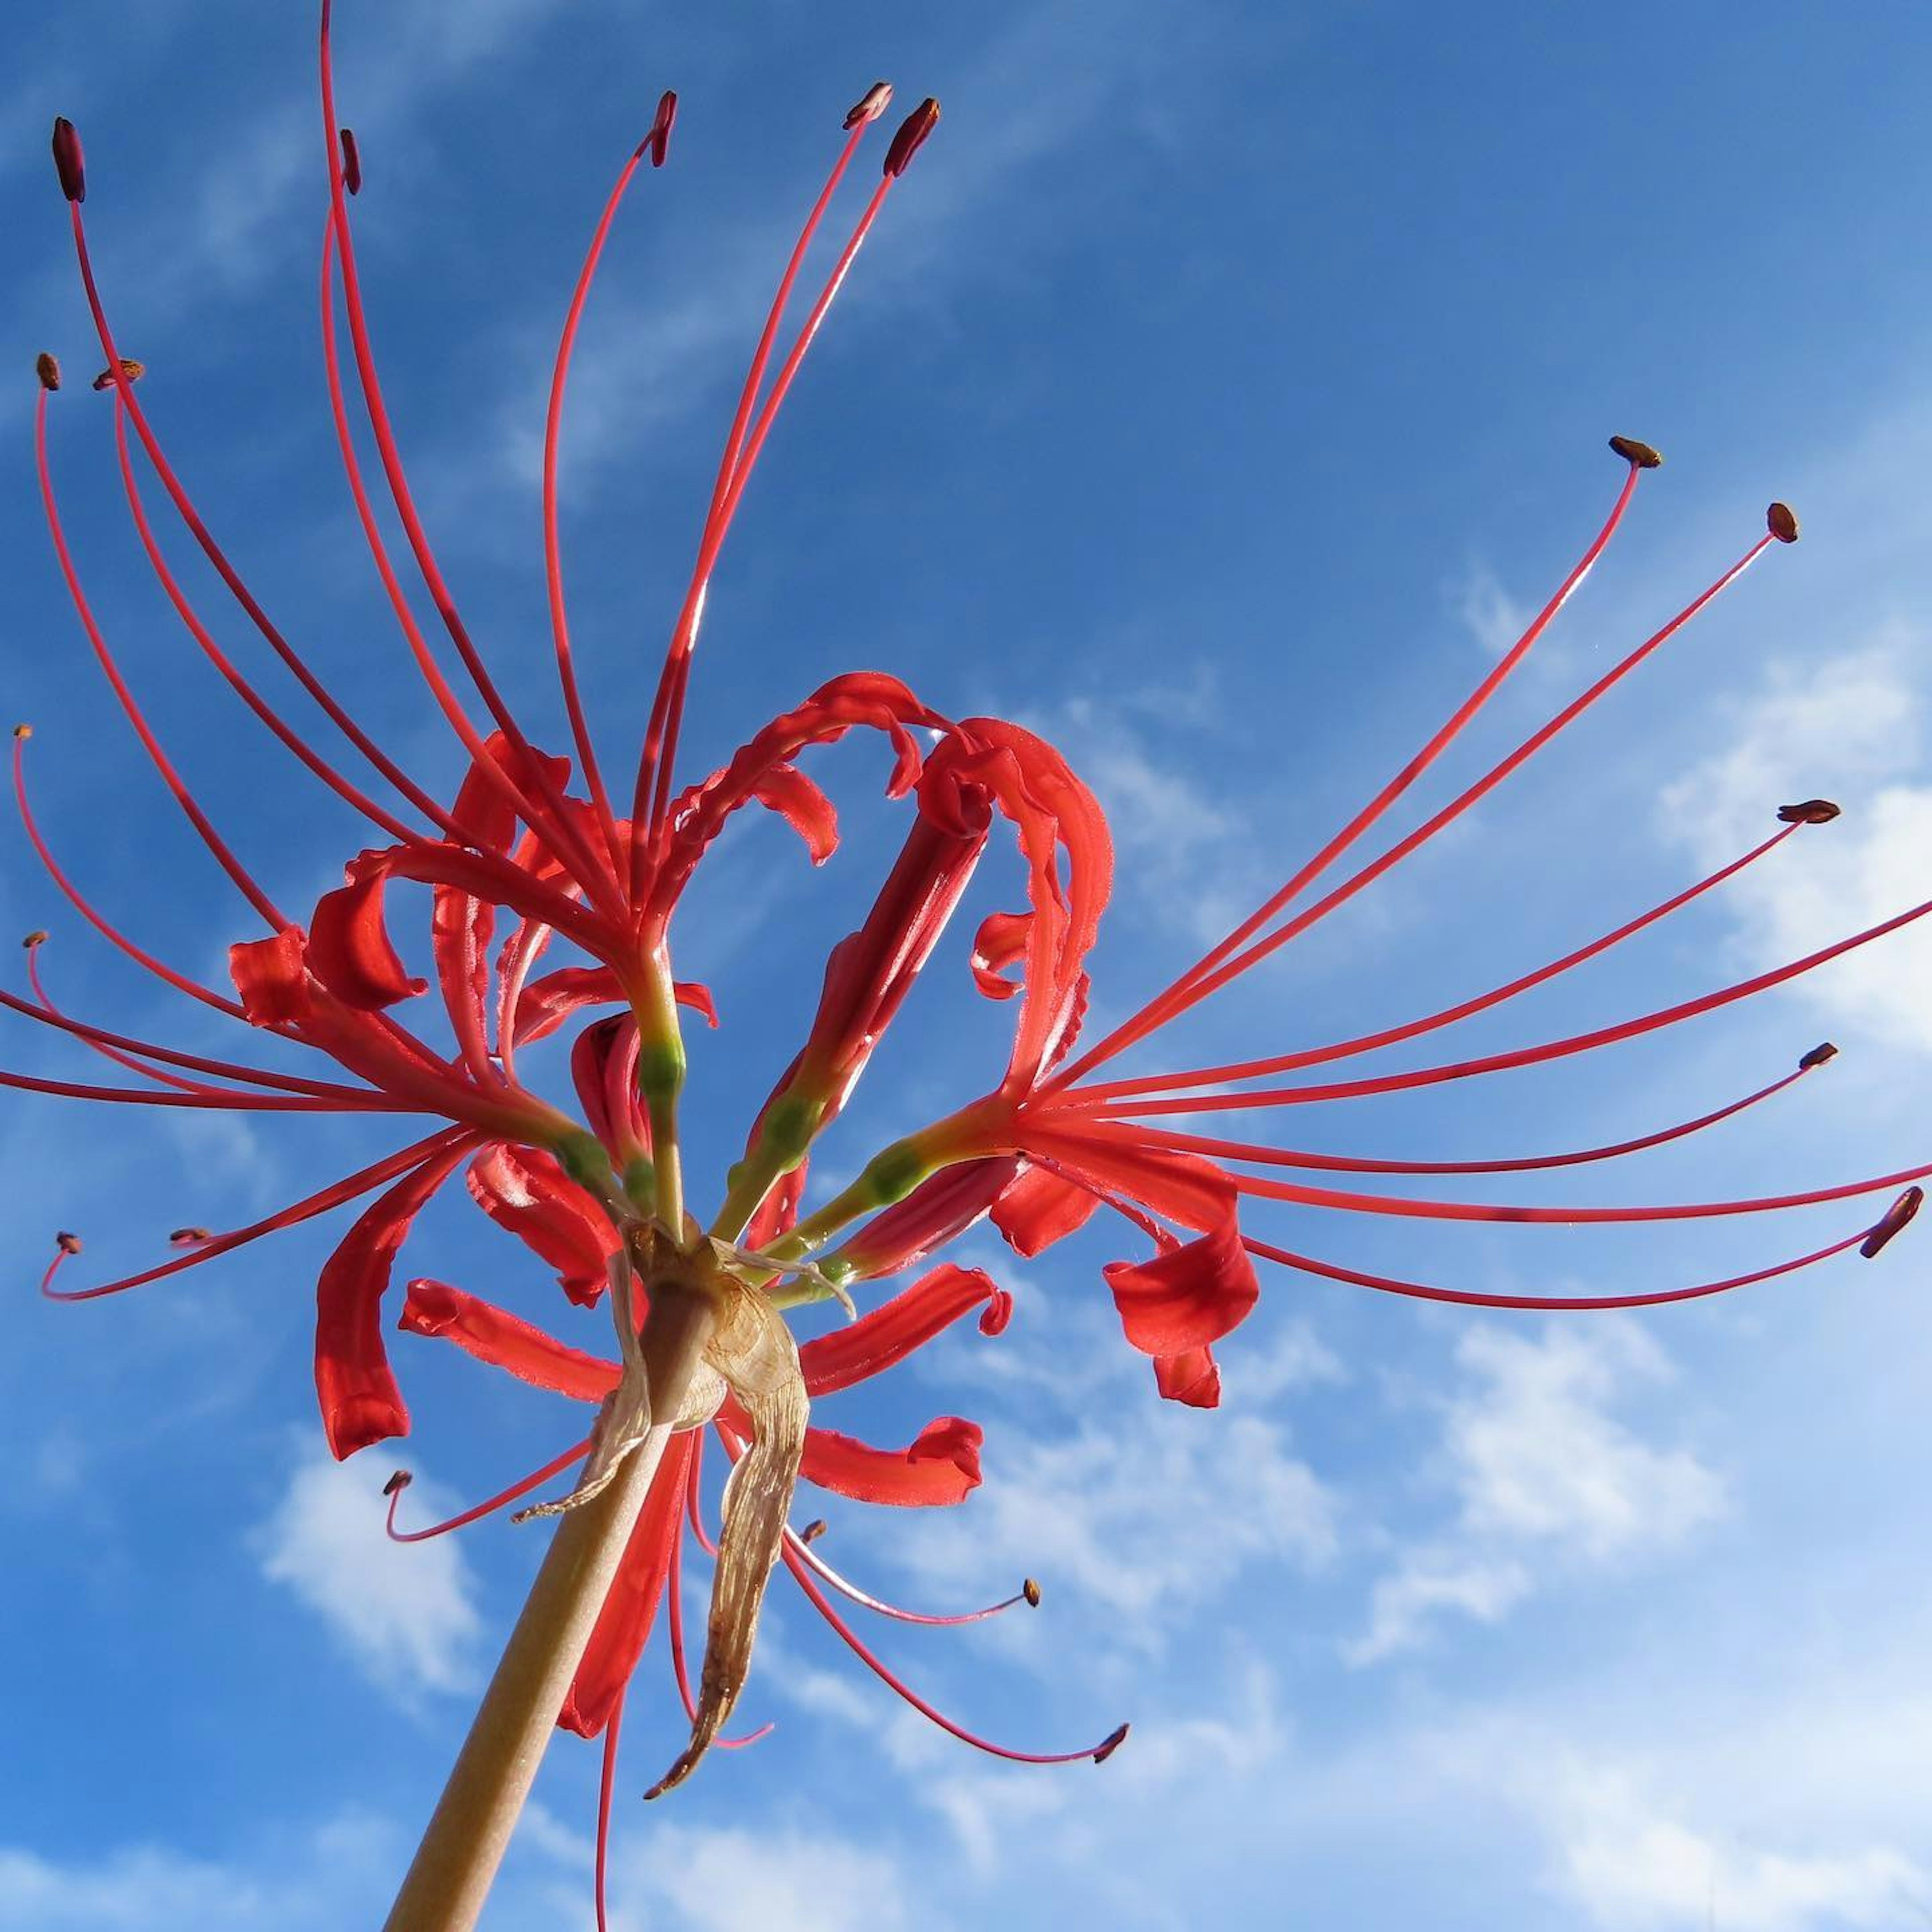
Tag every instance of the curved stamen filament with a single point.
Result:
(607, 1785)
(1029, 1593)
(694, 1498)
(502, 1500)
(1109, 1093)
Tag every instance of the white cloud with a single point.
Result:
(1850, 728)
(1486, 610)
(1541, 1472)
(748, 1881)
(406, 1612)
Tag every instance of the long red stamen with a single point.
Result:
(1098, 1753)
(1200, 984)
(363, 1181)
(400, 1481)
(1336, 1163)
(218, 1098)
(1028, 1593)
(607, 1785)
(547, 813)
(1132, 1028)
(1655, 1298)
(694, 1498)
(1113, 1091)
(653, 144)
(237, 872)
(181, 983)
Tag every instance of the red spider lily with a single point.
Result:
(532, 852)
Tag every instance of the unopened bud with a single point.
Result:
(68, 1243)
(130, 368)
(1782, 522)
(352, 162)
(657, 142)
(872, 104)
(911, 136)
(1031, 1591)
(1641, 454)
(190, 1237)
(397, 1483)
(1896, 1218)
(1809, 811)
(48, 370)
(814, 1530)
(68, 162)
(36, 937)
(1112, 1744)
(1817, 1057)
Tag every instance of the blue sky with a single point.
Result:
(1219, 384)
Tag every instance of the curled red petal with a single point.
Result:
(349, 950)
(482, 811)
(271, 978)
(941, 1467)
(1040, 1208)
(1180, 1186)
(786, 790)
(491, 1334)
(361, 1403)
(933, 1213)
(623, 1626)
(1187, 1297)
(527, 1192)
(1001, 939)
(549, 1001)
(887, 1334)
(1193, 1378)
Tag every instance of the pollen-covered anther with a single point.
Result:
(1112, 1744)
(47, 367)
(912, 135)
(133, 370)
(1031, 1591)
(1645, 456)
(190, 1237)
(352, 162)
(1895, 1219)
(23, 730)
(37, 937)
(658, 141)
(1817, 1057)
(397, 1483)
(814, 1530)
(68, 161)
(68, 1243)
(1809, 811)
(1781, 520)
(870, 104)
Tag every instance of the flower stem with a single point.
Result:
(451, 1875)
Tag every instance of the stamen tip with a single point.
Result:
(23, 731)
(36, 937)
(658, 141)
(190, 1237)
(69, 162)
(1031, 1591)
(352, 162)
(68, 1243)
(1896, 1218)
(1782, 522)
(47, 367)
(1642, 455)
(1809, 811)
(1817, 1057)
(1112, 1744)
(870, 104)
(912, 135)
(133, 370)
(397, 1483)
(814, 1530)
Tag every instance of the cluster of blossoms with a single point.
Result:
(537, 855)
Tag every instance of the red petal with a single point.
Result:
(932, 1214)
(361, 1403)
(1002, 938)
(1192, 1377)
(481, 808)
(494, 1336)
(1188, 1297)
(1180, 1186)
(349, 947)
(624, 1625)
(788, 791)
(1040, 1208)
(548, 1002)
(527, 1192)
(941, 1467)
(271, 978)
(889, 1333)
